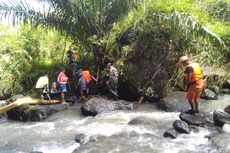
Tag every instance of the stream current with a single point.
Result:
(111, 132)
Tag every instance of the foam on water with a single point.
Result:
(56, 147)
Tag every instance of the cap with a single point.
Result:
(183, 58)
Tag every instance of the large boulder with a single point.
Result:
(209, 95)
(35, 112)
(220, 118)
(198, 119)
(97, 105)
(181, 126)
(174, 102)
(150, 65)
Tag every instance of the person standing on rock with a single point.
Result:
(113, 80)
(62, 80)
(82, 85)
(87, 75)
(193, 80)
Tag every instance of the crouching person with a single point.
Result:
(42, 87)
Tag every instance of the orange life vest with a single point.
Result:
(86, 75)
(196, 72)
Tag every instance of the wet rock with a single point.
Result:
(97, 105)
(225, 91)
(141, 120)
(197, 119)
(181, 127)
(209, 95)
(194, 128)
(35, 112)
(220, 118)
(81, 138)
(213, 129)
(73, 99)
(215, 89)
(174, 102)
(227, 109)
(172, 133)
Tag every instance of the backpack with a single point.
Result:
(83, 83)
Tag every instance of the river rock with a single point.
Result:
(172, 133)
(209, 95)
(225, 91)
(141, 120)
(215, 89)
(81, 138)
(220, 118)
(73, 100)
(174, 102)
(35, 112)
(97, 105)
(181, 126)
(212, 128)
(227, 109)
(197, 119)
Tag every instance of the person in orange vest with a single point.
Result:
(193, 80)
(62, 80)
(86, 74)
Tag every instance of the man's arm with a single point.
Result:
(188, 71)
(93, 78)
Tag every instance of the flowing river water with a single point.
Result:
(111, 133)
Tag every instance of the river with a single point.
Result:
(111, 133)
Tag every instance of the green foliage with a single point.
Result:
(27, 54)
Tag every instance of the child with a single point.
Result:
(82, 84)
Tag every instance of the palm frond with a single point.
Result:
(190, 25)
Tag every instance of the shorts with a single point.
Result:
(40, 90)
(195, 90)
(63, 87)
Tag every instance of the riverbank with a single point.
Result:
(109, 132)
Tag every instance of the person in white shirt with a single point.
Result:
(42, 87)
(113, 80)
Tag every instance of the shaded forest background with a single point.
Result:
(144, 40)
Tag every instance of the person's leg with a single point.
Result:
(196, 101)
(192, 105)
(62, 99)
(191, 97)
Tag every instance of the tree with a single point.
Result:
(79, 19)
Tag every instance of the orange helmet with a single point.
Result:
(183, 58)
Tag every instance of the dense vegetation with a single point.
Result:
(119, 31)
(27, 54)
